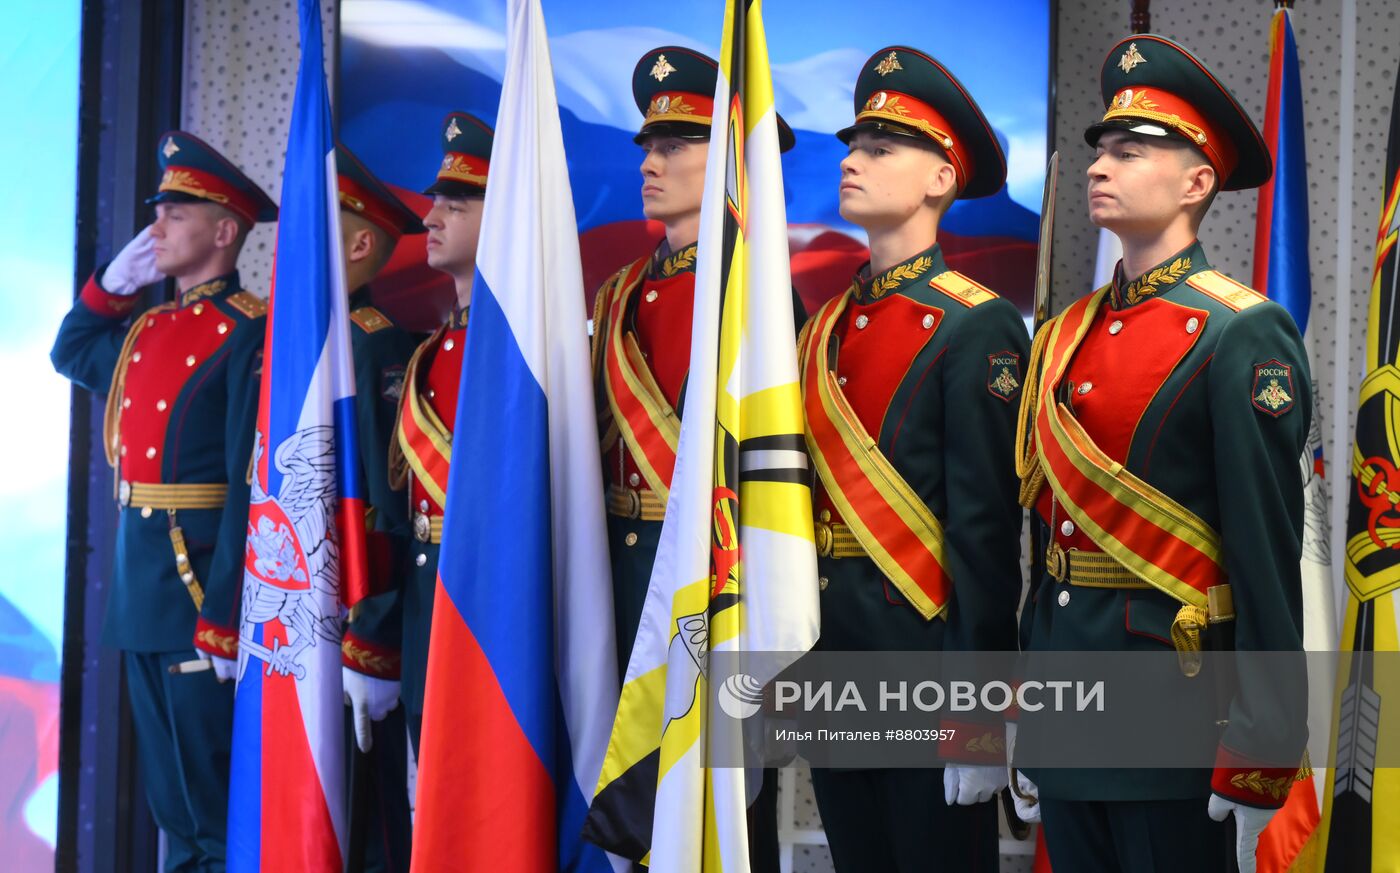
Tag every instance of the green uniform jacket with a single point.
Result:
(1210, 405)
(202, 358)
(381, 350)
(923, 371)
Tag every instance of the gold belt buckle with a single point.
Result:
(634, 503)
(1057, 562)
(824, 537)
(422, 527)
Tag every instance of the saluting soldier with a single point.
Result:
(182, 398)
(910, 379)
(421, 449)
(1199, 388)
(641, 349)
(372, 220)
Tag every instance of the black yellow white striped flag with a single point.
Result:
(736, 565)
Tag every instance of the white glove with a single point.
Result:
(370, 699)
(1250, 822)
(225, 669)
(134, 267)
(1024, 794)
(966, 784)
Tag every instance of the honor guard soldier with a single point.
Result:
(422, 446)
(1160, 445)
(910, 380)
(641, 322)
(182, 385)
(372, 220)
(641, 349)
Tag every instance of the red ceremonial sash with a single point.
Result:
(1155, 537)
(640, 411)
(426, 442)
(894, 526)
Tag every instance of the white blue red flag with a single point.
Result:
(305, 556)
(1281, 271)
(521, 685)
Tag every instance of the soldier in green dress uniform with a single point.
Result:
(372, 220)
(181, 381)
(910, 380)
(1199, 388)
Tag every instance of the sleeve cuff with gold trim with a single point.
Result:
(104, 303)
(1250, 783)
(215, 640)
(973, 742)
(369, 658)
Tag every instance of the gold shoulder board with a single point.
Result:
(962, 289)
(370, 319)
(1214, 283)
(249, 304)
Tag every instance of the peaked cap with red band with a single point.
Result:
(366, 196)
(904, 91)
(191, 172)
(674, 88)
(1154, 87)
(466, 156)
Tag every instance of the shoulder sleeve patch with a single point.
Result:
(962, 289)
(1004, 375)
(370, 319)
(1214, 283)
(248, 303)
(1273, 393)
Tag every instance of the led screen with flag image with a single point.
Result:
(735, 569)
(399, 58)
(305, 558)
(521, 683)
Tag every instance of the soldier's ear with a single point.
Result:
(942, 185)
(361, 245)
(228, 231)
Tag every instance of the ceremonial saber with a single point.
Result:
(1040, 313)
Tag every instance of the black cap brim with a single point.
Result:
(453, 188)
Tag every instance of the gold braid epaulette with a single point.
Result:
(1028, 468)
(248, 303)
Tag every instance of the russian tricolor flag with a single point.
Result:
(521, 686)
(1281, 227)
(305, 555)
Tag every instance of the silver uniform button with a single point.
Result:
(841, 380)
(652, 295)
(1086, 387)
(1064, 598)
(634, 480)
(1067, 528)
(422, 506)
(124, 493)
(1192, 324)
(861, 322)
(928, 322)
(449, 344)
(1115, 328)
(421, 559)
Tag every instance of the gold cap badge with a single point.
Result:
(661, 69)
(889, 64)
(1131, 58)
(170, 147)
(453, 131)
